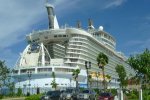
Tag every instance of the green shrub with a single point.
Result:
(96, 90)
(148, 97)
(135, 92)
(133, 96)
(81, 89)
(19, 92)
(33, 97)
(1, 96)
(114, 91)
(11, 94)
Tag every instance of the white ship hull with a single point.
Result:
(62, 50)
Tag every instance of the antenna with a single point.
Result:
(78, 24)
(90, 24)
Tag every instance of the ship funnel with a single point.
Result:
(90, 24)
(53, 23)
(78, 24)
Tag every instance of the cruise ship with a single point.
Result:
(63, 49)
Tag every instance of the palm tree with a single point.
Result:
(109, 80)
(90, 80)
(102, 60)
(75, 76)
(54, 84)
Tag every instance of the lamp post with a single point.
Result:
(70, 82)
(29, 76)
(87, 66)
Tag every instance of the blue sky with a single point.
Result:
(127, 20)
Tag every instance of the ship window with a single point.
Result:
(44, 69)
(63, 70)
(29, 41)
(15, 71)
(46, 84)
(23, 71)
(73, 60)
(34, 47)
(64, 35)
(36, 39)
(55, 36)
(59, 35)
(46, 37)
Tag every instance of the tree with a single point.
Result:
(75, 76)
(4, 73)
(53, 83)
(141, 64)
(19, 92)
(11, 86)
(122, 75)
(90, 80)
(109, 79)
(102, 60)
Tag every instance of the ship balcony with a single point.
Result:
(42, 70)
(71, 48)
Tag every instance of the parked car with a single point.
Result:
(87, 94)
(106, 96)
(51, 95)
(69, 94)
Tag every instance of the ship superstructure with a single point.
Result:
(61, 50)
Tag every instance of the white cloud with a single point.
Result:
(147, 18)
(146, 44)
(136, 46)
(64, 6)
(9, 57)
(114, 3)
(134, 43)
(141, 44)
(17, 17)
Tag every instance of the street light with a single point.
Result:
(29, 76)
(70, 82)
(87, 66)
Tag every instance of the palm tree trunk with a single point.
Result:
(104, 78)
(77, 84)
(97, 82)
